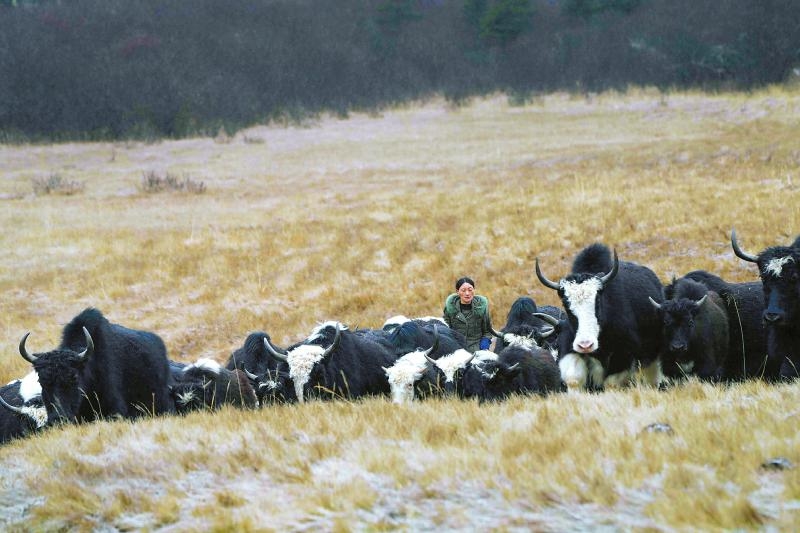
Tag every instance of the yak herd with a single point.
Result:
(618, 324)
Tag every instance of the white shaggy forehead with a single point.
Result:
(29, 387)
(37, 414)
(580, 293)
(407, 369)
(513, 339)
(301, 361)
(206, 364)
(449, 364)
(316, 333)
(775, 266)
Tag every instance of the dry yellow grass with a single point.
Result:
(365, 218)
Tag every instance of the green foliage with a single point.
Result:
(111, 69)
(505, 21)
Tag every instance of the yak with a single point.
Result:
(516, 370)
(269, 376)
(524, 328)
(205, 384)
(615, 327)
(335, 362)
(696, 338)
(779, 270)
(100, 370)
(22, 410)
(747, 346)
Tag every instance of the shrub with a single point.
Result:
(56, 184)
(154, 183)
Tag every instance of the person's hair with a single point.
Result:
(464, 280)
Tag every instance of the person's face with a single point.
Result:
(466, 292)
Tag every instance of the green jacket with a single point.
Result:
(473, 325)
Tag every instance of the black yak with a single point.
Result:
(696, 337)
(100, 370)
(779, 270)
(615, 327)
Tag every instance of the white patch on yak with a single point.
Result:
(29, 387)
(402, 375)
(581, 299)
(316, 333)
(775, 266)
(523, 341)
(481, 358)
(577, 371)
(451, 363)
(206, 364)
(37, 414)
(437, 319)
(301, 361)
(395, 321)
(574, 372)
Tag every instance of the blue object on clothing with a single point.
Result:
(485, 343)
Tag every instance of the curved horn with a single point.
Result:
(24, 352)
(89, 351)
(250, 375)
(701, 301)
(335, 343)
(553, 321)
(15, 410)
(495, 332)
(513, 367)
(614, 269)
(273, 352)
(738, 251)
(435, 346)
(655, 303)
(546, 282)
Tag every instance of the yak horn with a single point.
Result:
(701, 301)
(553, 321)
(738, 251)
(336, 338)
(546, 282)
(614, 269)
(24, 352)
(273, 352)
(12, 408)
(655, 303)
(89, 351)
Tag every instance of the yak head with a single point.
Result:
(678, 318)
(581, 294)
(62, 378)
(31, 413)
(779, 269)
(273, 386)
(306, 360)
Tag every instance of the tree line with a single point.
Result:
(110, 69)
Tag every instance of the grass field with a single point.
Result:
(363, 218)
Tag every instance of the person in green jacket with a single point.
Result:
(468, 313)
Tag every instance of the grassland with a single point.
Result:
(363, 218)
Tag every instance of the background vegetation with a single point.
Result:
(280, 227)
(113, 69)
